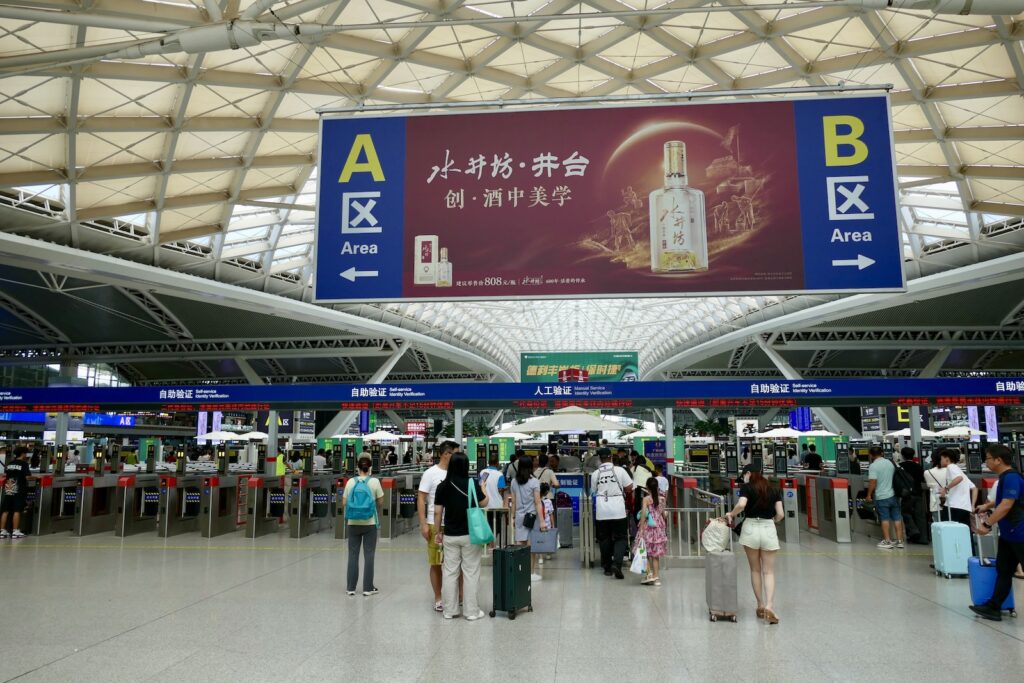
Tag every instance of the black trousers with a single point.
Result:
(611, 538)
(1010, 555)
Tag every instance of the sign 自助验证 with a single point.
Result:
(768, 196)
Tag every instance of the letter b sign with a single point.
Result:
(843, 146)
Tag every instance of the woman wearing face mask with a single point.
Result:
(762, 506)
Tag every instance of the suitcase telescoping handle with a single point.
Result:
(982, 560)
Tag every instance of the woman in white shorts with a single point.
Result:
(762, 507)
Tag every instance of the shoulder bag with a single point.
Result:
(480, 532)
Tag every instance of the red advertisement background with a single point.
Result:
(517, 243)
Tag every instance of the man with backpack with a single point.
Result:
(363, 500)
(882, 485)
(912, 503)
(1008, 514)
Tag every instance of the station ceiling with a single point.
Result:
(204, 163)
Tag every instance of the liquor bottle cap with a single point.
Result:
(675, 158)
(444, 253)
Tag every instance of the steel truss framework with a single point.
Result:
(210, 156)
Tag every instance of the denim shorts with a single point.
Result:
(889, 509)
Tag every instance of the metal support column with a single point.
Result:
(272, 450)
(829, 416)
(458, 425)
(670, 442)
(340, 423)
(61, 437)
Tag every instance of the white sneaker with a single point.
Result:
(5, 534)
(899, 544)
(886, 545)
(18, 534)
(540, 560)
(536, 577)
(474, 617)
(350, 594)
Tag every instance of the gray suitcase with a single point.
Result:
(720, 585)
(563, 520)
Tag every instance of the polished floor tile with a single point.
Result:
(192, 609)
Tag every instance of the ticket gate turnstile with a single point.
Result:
(309, 504)
(138, 504)
(56, 497)
(828, 508)
(180, 502)
(789, 530)
(218, 514)
(96, 507)
(266, 505)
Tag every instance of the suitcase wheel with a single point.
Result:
(1013, 613)
(492, 614)
(511, 615)
(734, 619)
(530, 609)
(713, 617)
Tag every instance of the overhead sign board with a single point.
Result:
(780, 196)
(444, 396)
(601, 366)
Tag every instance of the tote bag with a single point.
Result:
(480, 532)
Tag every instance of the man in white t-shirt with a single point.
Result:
(609, 485)
(425, 509)
(957, 488)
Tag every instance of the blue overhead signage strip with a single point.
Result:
(951, 391)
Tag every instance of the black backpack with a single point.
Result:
(902, 483)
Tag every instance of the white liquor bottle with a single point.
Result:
(679, 234)
(444, 269)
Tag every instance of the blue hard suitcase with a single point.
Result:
(981, 573)
(951, 546)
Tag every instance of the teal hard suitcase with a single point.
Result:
(512, 580)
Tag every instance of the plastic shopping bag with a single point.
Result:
(715, 538)
(639, 565)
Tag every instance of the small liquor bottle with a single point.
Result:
(444, 269)
(679, 234)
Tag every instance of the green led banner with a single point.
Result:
(601, 366)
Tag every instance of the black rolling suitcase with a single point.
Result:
(512, 580)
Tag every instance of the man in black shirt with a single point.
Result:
(813, 460)
(15, 493)
(913, 505)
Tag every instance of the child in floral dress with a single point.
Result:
(654, 537)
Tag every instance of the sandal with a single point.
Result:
(760, 612)
(771, 617)
(439, 606)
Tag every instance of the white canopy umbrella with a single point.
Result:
(960, 432)
(220, 436)
(779, 433)
(648, 434)
(518, 436)
(573, 419)
(905, 433)
(818, 432)
(255, 436)
(380, 435)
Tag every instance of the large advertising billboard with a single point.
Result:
(732, 197)
(600, 366)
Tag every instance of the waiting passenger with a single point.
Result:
(959, 491)
(320, 460)
(73, 459)
(429, 482)
(762, 506)
(1008, 514)
(935, 480)
(912, 505)
(663, 488)
(494, 485)
(15, 494)
(525, 502)
(652, 530)
(460, 555)
(609, 485)
(546, 475)
(812, 461)
(880, 474)
(794, 462)
(363, 501)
